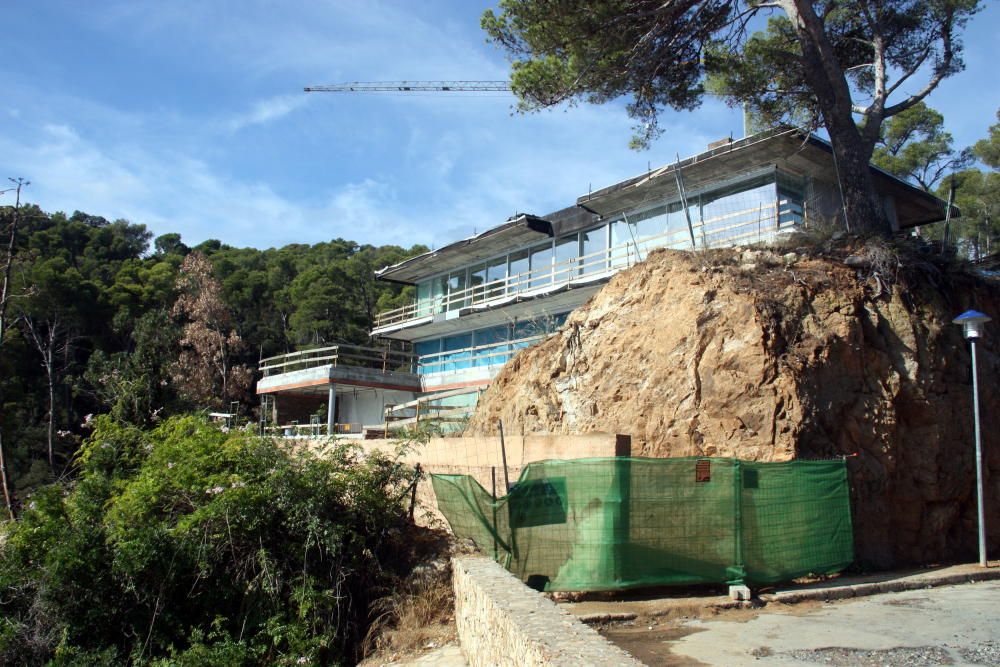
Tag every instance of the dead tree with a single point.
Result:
(4, 298)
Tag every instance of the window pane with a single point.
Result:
(558, 321)
(423, 298)
(541, 265)
(428, 364)
(567, 252)
(623, 247)
(677, 225)
(650, 223)
(496, 272)
(437, 294)
(739, 215)
(493, 343)
(592, 244)
(518, 265)
(456, 286)
(457, 360)
(477, 281)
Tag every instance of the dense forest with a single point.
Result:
(102, 318)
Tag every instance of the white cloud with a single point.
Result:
(267, 110)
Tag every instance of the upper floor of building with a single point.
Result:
(741, 192)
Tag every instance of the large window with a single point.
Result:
(519, 266)
(567, 251)
(541, 265)
(457, 297)
(491, 346)
(744, 213)
(424, 299)
(496, 274)
(477, 282)
(457, 356)
(593, 251)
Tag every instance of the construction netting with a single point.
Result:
(615, 523)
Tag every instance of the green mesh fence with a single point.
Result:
(613, 523)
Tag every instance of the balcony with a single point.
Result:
(749, 225)
(494, 354)
(381, 359)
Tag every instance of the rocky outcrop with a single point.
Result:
(770, 357)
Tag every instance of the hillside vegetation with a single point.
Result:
(103, 319)
(186, 545)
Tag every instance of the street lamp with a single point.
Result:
(973, 322)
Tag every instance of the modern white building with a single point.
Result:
(481, 299)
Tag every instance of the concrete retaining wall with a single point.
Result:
(481, 458)
(503, 622)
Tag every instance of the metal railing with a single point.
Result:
(432, 408)
(480, 355)
(378, 358)
(744, 226)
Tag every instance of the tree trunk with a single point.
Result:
(862, 204)
(52, 414)
(3, 480)
(4, 296)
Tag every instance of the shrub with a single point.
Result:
(186, 545)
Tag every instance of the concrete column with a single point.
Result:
(330, 407)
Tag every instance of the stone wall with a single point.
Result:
(503, 622)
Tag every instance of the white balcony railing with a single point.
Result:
(493, 354)
(378, 358)
(744, 226)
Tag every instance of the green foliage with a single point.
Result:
(977, 194)
(186, 545)
(817, 64)
(915, 146)
(99, 303)
(988, 149)
(661, 54)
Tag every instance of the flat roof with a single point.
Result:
(791, 149)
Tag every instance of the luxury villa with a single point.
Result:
(481, 299)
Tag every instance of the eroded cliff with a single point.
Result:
(768, 356)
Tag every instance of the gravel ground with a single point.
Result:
(982, 653)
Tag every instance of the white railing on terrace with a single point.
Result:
(341, 355)
(468, 357)
(747, 226)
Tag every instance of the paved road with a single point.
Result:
(951, 625)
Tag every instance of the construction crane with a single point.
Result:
(413, 87)
(444, 87)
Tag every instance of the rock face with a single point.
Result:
(770, 357)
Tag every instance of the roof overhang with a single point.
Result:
(517, 231)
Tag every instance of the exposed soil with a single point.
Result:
(766, 356)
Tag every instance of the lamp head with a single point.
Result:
(973, 322)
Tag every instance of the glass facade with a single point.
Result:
(490, 346)
(747, 211)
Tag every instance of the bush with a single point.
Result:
(185, 545)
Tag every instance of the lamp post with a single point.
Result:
(973, 323)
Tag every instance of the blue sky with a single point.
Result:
(190, 117)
